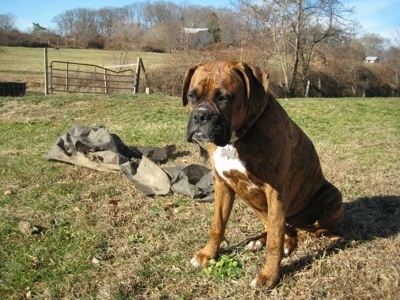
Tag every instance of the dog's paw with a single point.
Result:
(195, 263)
(255, 245)
(200, 260)
(265, 281)
(290, 245)
(255, 283)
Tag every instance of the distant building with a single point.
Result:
(198, 37)
(372, 59)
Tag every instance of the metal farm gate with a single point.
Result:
(63, 76)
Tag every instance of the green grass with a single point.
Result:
(106, 240)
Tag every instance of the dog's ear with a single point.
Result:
(186, 82)
(256, 80)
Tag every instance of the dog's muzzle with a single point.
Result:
(206, 125)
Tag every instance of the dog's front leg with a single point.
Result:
(224, 197)
(269, 274)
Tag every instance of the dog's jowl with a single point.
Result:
(260, 154)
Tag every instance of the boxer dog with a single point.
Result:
(258, 153)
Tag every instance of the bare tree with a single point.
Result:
(79, 24)
(129, 31)
(166, 36)
(194, 16)
(85, 27)
(7, 21)
(160, 11)
(374, 44)
(296, 27)
(393, 59)
(232, 27)
(132, 14)
(108, 19)
(396, 58)
(65, 22)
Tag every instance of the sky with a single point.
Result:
(376, 16)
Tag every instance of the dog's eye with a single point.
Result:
(192, 97)
(223, 98)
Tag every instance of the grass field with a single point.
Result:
(27, 64)
(103, 239)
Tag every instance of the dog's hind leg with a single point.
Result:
(290, 240)
(331, 209)
(324, 214)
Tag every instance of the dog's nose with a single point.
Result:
(201, 116)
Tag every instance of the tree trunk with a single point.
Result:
(297, 27)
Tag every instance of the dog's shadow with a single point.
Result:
(365, 219)
(368, 218)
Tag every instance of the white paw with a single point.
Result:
(254, 283)
(254, 245)
(259, 245)
(250, 246)
(194, 262)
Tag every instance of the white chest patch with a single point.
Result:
(226, 159)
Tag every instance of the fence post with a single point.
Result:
(46, 87)
(145, 77)
(66, 78)
(51, 78)
(137, 76)
(307, 89)
(320, 86)
(105, 81)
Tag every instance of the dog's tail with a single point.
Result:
(323, 214)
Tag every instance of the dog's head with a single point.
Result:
(225, 98)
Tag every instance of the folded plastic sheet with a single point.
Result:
(97, 149)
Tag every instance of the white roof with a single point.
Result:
(194, 30)
(371, 58)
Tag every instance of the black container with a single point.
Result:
(15, 89)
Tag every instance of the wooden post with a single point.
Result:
(46, 76)
(137, 76)
(307, 88)
(95, 79)
(320, 87)
(105, 81)
(145, 77)
(66, 78)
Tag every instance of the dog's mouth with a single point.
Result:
(199, 136)
(200, 140)
(220, 136)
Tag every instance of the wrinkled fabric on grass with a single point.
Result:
(97, 149)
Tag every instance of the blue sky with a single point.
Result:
(376, 16)
(43, 11)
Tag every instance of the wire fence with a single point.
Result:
(88, 78)
(64, 76)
